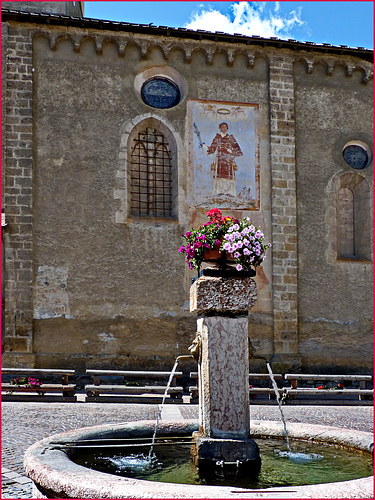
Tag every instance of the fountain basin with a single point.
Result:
(56, 476)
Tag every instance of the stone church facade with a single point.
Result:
(92, 277)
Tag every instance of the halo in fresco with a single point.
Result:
(223, 154)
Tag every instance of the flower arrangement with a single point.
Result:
(240, 238)
(29, 382)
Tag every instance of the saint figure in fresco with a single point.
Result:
(224, 166)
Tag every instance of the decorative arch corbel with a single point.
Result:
(209, 52)
(250, 60)
(44, 35)
(308, 63)
(143, 47)
(107, 41)
(367, 75)
(56, 39)
(99, 42)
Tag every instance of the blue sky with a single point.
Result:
(337, 23)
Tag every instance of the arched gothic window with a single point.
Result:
(150, 174)
(353, 218)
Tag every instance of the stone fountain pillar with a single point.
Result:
(222, 349)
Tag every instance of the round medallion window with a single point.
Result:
(161, 93)
(357, 155)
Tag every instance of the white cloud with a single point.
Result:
(247, 18)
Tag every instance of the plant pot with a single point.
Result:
(219, 259)
(212, 255)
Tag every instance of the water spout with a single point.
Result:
(162, 405)
(276, 389)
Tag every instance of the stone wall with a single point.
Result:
(88, 285)
(335, 295)
(17, 196)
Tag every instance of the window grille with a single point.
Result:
(150, 171)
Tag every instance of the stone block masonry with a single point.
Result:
(18, 194)
(284, 205)
(216, 294)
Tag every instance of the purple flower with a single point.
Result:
(239, 267)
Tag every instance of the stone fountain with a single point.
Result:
(222, 436)
(223, 439)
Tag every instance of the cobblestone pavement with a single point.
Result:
(25, 423)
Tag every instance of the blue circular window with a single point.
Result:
(356, 156)
(160, 93)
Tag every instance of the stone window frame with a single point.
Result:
(361, 210)
(121, 193)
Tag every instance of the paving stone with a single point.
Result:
(11, 475)
(23, 480)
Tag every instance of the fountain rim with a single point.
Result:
(51, 469)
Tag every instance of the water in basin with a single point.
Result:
(305, 463)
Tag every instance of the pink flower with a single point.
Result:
(239, 267)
